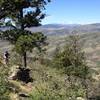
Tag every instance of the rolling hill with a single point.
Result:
(62, 29)
(59, 29)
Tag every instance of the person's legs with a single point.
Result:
(6, 60)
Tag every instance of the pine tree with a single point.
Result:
(14, 10)
(72, 60)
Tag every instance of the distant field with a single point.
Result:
(4, 45)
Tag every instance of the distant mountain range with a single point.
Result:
(60, 29)
(55, 29)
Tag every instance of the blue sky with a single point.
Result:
(73, 12)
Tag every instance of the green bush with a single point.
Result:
(4, 88)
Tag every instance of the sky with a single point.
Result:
(72, 12)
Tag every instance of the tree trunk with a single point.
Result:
(86, 88)
(21, 17)
(24, 59)
(22, 28)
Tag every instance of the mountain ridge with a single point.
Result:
(57, 29)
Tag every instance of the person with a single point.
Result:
(6, 57)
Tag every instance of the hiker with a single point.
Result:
(6, 57)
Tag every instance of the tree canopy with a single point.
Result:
(72, 58)
(27, 42)
(14, 9)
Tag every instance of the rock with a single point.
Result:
(23, 95)
(13, 72)
(80, 98)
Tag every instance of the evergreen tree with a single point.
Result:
(15, 10)
(72, 60)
